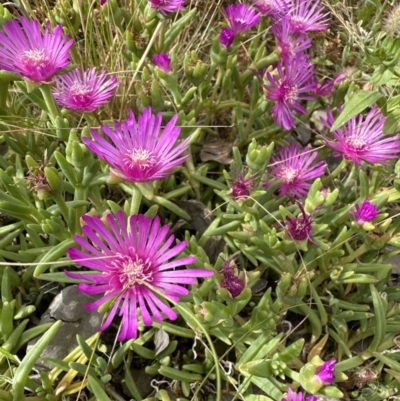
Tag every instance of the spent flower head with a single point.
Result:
(241, 185)
(299, 228)
(131, 262)
(291, 396)
(290, 44)
(167, 6)
(38, 56)
(84, 91)
(295, 167)
(365, 213)
(326, 372)
(163, 62)
(241, 17)
(307, 16)
(139, 151)
(362, 138)
(289, 89)
(230, 281)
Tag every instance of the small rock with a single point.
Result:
(67, 306)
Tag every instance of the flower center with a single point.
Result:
(288, 92)
(140, 158)
(289, 175)
(130, 270)
(356, 144)
(35, 58)
(80, 93)
(298, 24)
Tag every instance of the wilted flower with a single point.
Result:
(326, 371)
(163, 62)
(365, 213)
(299, 228)
(241, 17)
(298, 397)
(275, 9)
(289, 88)
(290, 44)
(324, 88)
(130, 260)
(167, 6)
(230, 281)
(295, 167)
(226, 37)
(84, 91)
(307, 15)
(33, 55)
(139, 152)
(241, 186)
(362, 139)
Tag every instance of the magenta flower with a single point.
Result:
(326, 372)
(275, 9)
(365, 213)
(295, 167)
(299, 228)
(33, 55)
(226, 37)
(307, 15)
(289, 89)
(362, 139)
(130, 260)
(163, 62)
(241, 186)
(298, 397)
(167, 6)
(230, 281)
(84, 91)
(241, 17)
(290, 44)
(138, 151)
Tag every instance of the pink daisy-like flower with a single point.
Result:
(362, 139)
(289, 89)
(139, 152)
(241, 17)
(167, 6)
(298, 397)
(275, 9)
(163, 62)
(126, 257)
(295, 167)
(365, 213)
(84, 91)
(290, 44)
(226, 37)
(33, 55)
(326, 372)
(307, 16)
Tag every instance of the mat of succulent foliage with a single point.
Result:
(149, 154)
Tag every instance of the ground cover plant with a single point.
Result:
(219, 180)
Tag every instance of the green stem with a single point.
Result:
(231, 104)
(3, 93)
(50, 103)
(362, 249)
(335, 172)
(135, 200)
(259, 65)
